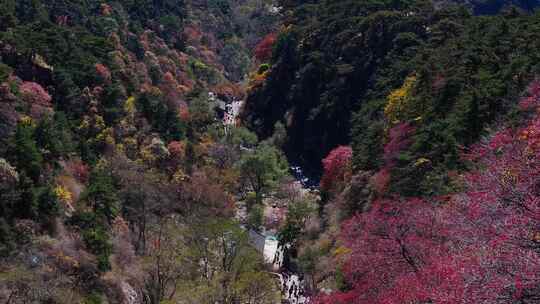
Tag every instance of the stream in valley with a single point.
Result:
(292, 284)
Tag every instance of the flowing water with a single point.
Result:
(293, 287)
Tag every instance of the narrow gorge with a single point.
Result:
(269, 152)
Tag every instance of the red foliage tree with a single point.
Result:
(399, 138)
(106, 10)
(193, 34)
(532, 99)
(498, 218)
(183, 112)
(34, 93)
(177, 148)
(387, 244)
(103, 72)
(263, 50)
(37, 98)
(337, 168)
(204, 196)
(381, 180)
(79, 170)
(62, 20)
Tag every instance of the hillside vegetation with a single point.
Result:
(145, 149)
(117, 181)
(421, 119)
(347, 72)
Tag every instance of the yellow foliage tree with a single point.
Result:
(257, 79)
(129, 106)
(400, 103)
(63, 194)
(27, 120)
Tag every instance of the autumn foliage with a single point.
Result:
(37, 98)
(532, 99)
(381, 180)
(337, 168)
(399, 138)
(479, 246)
(400, 105)
(34, 93)
(80, 171)
(263, 50)
(103, 72)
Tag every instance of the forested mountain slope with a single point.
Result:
(345, 71)
(423, 119)
(117, 180)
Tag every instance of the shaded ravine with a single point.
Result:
(292, 284)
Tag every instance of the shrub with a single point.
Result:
(93, 298)
(5, 71)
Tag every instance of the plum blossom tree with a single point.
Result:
(503, 212)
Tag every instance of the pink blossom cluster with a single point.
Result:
(34, 93)
(336, 167)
